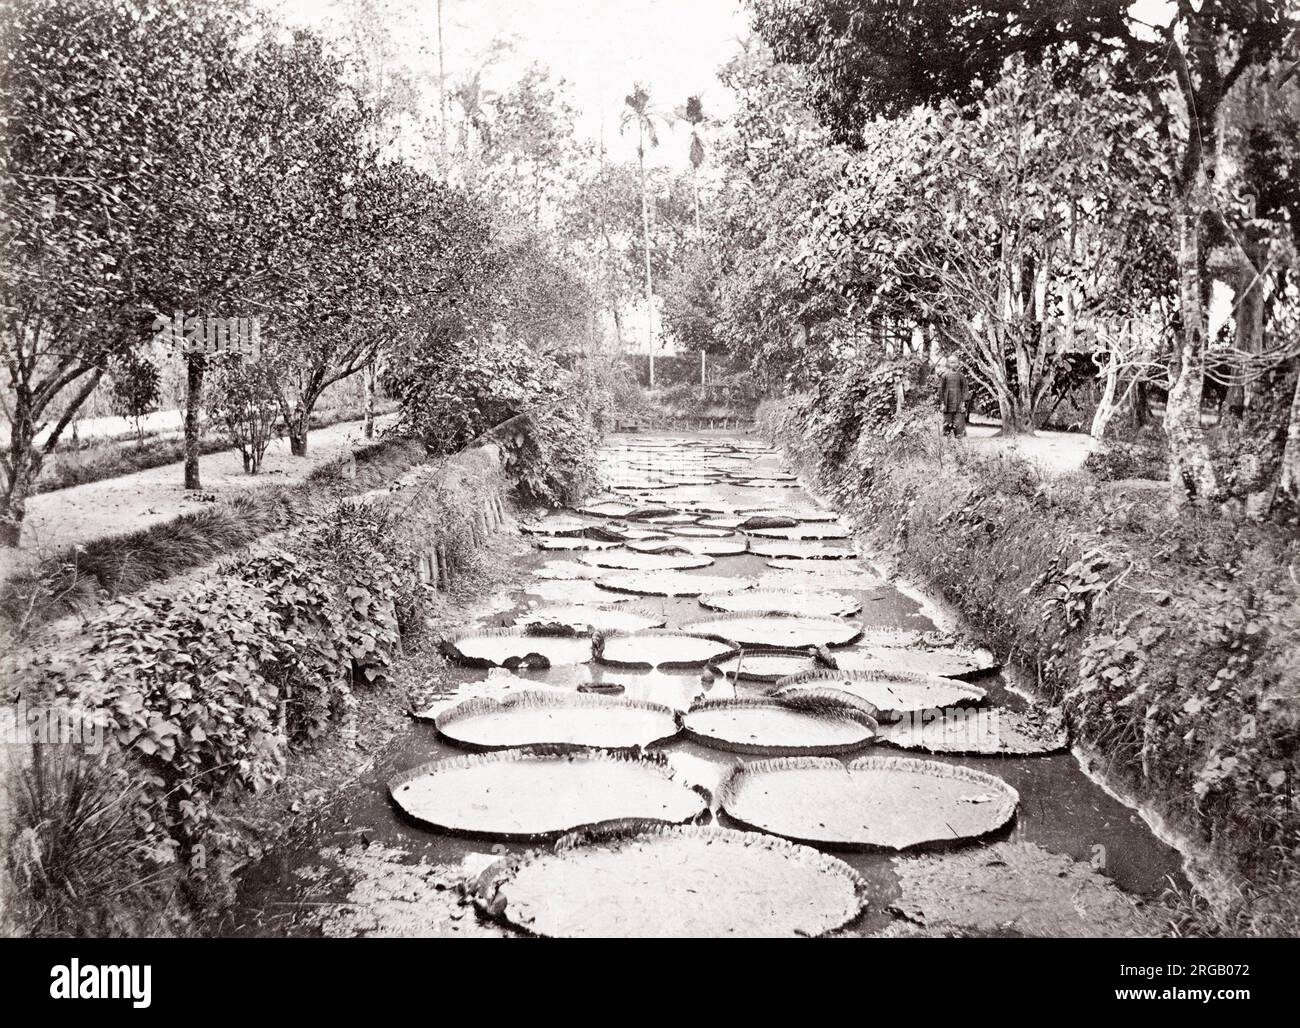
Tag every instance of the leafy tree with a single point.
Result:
(872, 57)
(135, 388)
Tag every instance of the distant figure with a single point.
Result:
(954, 399)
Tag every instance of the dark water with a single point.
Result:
(1061, 809)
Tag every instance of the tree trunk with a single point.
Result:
(24, 465)
(1289, 479)
(194, 367)
(649, 292)
(1191, 472)
(368, 376)
(298, 439)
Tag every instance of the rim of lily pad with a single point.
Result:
(453, 647)
(821, 603)
(818, 710)
(833, 631)
(946, 661)
(811, 910)
(995, 807)
(662, 583)
(982, 731)
(747, 660)
(810, 515)
(730, 547)
(597, 619)
(646, 734)
(614, 509)
(800, 549)
(943, 692)
(690, 803)
(646, 560)
(802, 532)
(700, 532)
(723, 649)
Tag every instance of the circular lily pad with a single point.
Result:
(538, 794)
(712, 547)
(669, 520)
(948, 662)
(780, 631)
(802, 531)
(635, 560)
(585, 620)
(670, 882)
(875, 802)
(556, 524)
(574, 542)
(893, 693)
(811, 514)
(660, 649)
(515, 647)
(701, 532)
(556, 719)
(574, 591)
(781, 726)
(798, 549)
(783, 601)
(770, 666)
(610, 509)
(565, 571)
(726, 522)
(663, 583)
(991, 731)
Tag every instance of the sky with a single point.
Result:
(600, 47)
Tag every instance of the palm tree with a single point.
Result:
(638, 112)
(694, 113)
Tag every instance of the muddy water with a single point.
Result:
(1061, 809)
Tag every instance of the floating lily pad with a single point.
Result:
(782, 726)
(780, 631)
(574, 592)
(660, 649)
(585, 619)
(672, 883)
(770, 666)
(515, 647)
(663, 583)
(981, 730)
(609, 509)
(574, 542)
(802, 531)
(556, 719)
(727, 522)
(712, 547)
(798, 549)
(557, 525)
(636, 560)
(538, 794)
(875, 803)
(836, 574)
(783, 601)
(792, 513)
(565, 571)
(893, 693)
(949, 662)
(669, 520)
(701, 532)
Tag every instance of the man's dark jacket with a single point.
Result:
(953, 391)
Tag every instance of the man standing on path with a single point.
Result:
(954, 398)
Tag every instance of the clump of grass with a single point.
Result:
(76, 864)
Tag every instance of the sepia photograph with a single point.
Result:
(649, 469)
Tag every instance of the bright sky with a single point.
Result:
(600, 47)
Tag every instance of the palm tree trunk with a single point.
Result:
(645, 234)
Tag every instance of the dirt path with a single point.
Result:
(116, 506)
(361, 869)
(1053, 452)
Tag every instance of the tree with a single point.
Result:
(135, 388)
(872, 57)
(243, 398)
(639, 113)
(694, 115)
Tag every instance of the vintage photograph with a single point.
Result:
(678, 469)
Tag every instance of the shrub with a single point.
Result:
(1115, 461)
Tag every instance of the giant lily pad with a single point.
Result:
(701, 532)
(893, 693)
(574, 542)
(781, 631)
(515, 647)
(556, 719)
(538, 794)
(798, 549)
(802, 531)
(713, 547)
(770, 666)
(782, 726)
(670, 882)
(875, 803)
(585, 620)
(566, 571)
(783, 601)
(993, 731)
(659, 649)
(636, 560)
(568, 592)
(663, 583)
(948, 662)
(612, 509)
(793, 513)
(555, 524)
